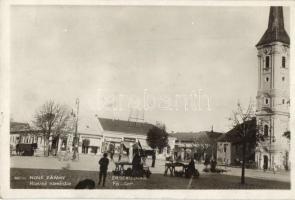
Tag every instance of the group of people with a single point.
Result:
(138, 161)
(191, 169)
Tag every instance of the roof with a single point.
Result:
(89, 126)
(275, 31)
(19, 127)
(200, 137)
(138, 128)
(233, 135)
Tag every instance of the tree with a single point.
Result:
(157, 138)
(241, 122)
(52, 118)
(203, 147)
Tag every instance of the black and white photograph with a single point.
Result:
(126, 97)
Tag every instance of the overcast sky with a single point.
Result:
(151, 53)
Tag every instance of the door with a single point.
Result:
(265, 162)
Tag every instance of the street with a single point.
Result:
(87, 167)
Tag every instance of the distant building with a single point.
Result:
(229, 145)
(118, 134)
(200, 145)
(273, 95)
(22, 133)
(107, 135)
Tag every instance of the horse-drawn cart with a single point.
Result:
(179, 169)
(126, 169)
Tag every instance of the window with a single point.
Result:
(266, 101)
(265, 130)
(267, 62)
(283, 62)
(283, 101)
(283, 78)
(267, 79)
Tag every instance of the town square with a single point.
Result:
(150, 98)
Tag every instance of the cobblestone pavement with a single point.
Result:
(90, 163)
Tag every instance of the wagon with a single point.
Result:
(125, 169)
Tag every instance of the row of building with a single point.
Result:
(109, 135)
(117, 135)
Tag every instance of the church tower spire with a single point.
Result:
(273, 95)
(275, 31)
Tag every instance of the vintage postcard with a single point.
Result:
(105, 99)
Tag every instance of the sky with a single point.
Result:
(146, 62)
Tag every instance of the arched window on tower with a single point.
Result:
(267, 62)
(283, 62)
(265, 130)
(266, 101)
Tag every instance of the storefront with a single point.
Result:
(90, 144)
(112, 144)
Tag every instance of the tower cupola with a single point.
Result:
(275, 31)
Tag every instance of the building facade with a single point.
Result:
(230, 146)
(200, 145)
(109, 135)
(22, 133)
(273, 95)
(122, 136)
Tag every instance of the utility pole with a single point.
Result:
(76, 139)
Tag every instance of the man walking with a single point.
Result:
(103, 162)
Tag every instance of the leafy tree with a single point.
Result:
(53, 119)
(157, 138)
(242, 122)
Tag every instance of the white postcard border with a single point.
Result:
(6, 192)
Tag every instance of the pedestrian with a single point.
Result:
(275, 168)
(136, 162)
(120, 156)
(153, 159)
(103, 162)
(264, 167)
(112, 155)
(191, 169)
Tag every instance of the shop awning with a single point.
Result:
(144, 144)
(126, 145)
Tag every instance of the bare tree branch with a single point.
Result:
(52, 119)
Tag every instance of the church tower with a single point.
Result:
(273, 95)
